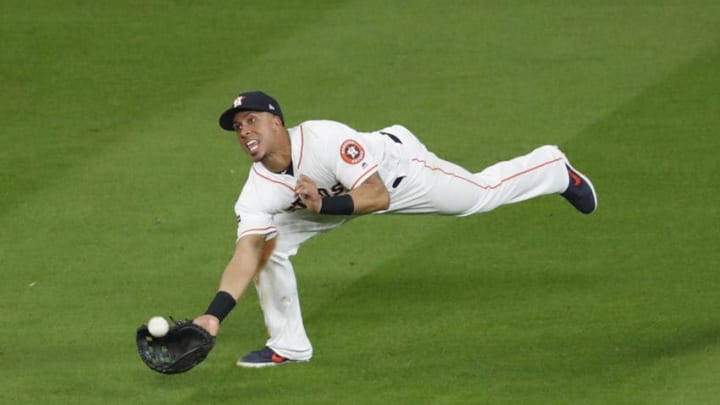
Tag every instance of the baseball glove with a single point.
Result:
(184, 346)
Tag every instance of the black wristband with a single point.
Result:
(338, 205)
(221, 305)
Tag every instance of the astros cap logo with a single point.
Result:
(238, 101)
(352, 152)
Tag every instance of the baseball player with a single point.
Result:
(313, 177)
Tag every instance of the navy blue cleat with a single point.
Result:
(263, 358)
(580, 191)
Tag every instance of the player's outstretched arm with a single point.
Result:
(244, 265)
(251, 254)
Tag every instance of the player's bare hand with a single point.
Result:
(306, 189)
(208, 322)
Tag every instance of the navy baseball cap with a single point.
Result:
(250, 101)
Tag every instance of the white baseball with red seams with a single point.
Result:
(339, 158)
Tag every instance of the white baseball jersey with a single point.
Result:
(335, 156)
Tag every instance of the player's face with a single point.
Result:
(255, 133)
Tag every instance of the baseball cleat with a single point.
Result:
(580, 191)
(263, 358)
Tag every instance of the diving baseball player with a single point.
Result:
(313, 177)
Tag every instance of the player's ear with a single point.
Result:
(277, 120)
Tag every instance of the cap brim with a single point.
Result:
(226, 119)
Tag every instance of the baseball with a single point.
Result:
(158, 326)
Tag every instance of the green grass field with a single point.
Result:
(117, 190)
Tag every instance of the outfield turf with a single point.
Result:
(117, 189)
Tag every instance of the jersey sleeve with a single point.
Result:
(252, 221)
(355, 162)
(346, 153)
(255, 224)
(260, 200)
